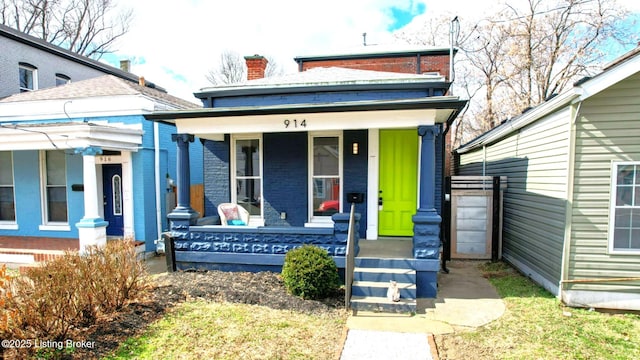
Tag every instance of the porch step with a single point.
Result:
(382, 304)
(379, 289)
(27, 256)
(371, 277)
(384, 274)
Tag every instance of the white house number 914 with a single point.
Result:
(295, 123)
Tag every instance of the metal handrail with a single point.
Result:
(349, 258)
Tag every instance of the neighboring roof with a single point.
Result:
(69, 55)
(325, 79)
(378, 51)
(106, 85)
(614, 72)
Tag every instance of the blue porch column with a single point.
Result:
(92, 229)
(183, 215)
(426, 222)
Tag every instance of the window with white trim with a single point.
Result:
(325, 187)
(624, 223)
(54, 192)
(247, 174)
(7, 199)
(28, 77)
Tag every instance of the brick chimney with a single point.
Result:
(125, 65)
(256, 66)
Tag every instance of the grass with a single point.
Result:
(209, 330)
(537, 326)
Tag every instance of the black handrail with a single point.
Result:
(349, 258)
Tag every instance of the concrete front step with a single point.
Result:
(379, 289)
(384, 274)
(382, 304)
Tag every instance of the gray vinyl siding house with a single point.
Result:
(567, 224)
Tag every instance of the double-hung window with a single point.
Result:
(7, 199)
(247, 175)
(624, 223)
(325, 188)
(54, 192)
(28, 77)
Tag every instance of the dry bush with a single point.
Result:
(63, 295)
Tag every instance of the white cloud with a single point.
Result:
(183, 39)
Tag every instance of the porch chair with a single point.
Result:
(233, 214)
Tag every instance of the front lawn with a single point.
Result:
(537, 326)
(204, 329)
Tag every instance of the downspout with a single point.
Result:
(484, 160)
(568, 219)
(156, 151)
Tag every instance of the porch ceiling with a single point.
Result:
(70, 135)
(208, 123)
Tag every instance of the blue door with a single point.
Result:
(112, 183)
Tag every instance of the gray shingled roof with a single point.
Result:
(107, 85)
(329, 76)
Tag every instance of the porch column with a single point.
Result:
(92, 229)
(183, 215)
(426, 222)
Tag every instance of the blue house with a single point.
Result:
(295, 150)
(79, 162)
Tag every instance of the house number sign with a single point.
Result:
(295, 123)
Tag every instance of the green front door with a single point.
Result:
(398, 182)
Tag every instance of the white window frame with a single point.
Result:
(323, 221)
(11, 224)
(46, 224)
(116, 193)
(34, 75)
(613, 207)
(253, 219)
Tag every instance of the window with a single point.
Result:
(116, 186)
(7, 200)
(62, 79)
(55, 186)
(28, 77)
(247, 175)
(624, 226)
(326, 176)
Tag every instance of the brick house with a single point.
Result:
(295, 150)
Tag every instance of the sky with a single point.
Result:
(175, 43)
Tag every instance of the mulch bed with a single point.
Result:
(264, 288)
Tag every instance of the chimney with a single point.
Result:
(125, 65)
(256, 66)
(141, 81)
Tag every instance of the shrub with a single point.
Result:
(55, 300)
(309, 272)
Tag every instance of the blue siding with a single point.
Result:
(216, 177)
(27, 194)
(315, 98)
(285, 178)
(355, 169)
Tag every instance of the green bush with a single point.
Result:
(309, 272)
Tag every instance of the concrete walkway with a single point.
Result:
(466, 300)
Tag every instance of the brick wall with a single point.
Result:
(400, 64)
(216, 175)
(285, 178)
(355, 169)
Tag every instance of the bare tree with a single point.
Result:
(87, 27)
(233, 69)
(525, 53)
